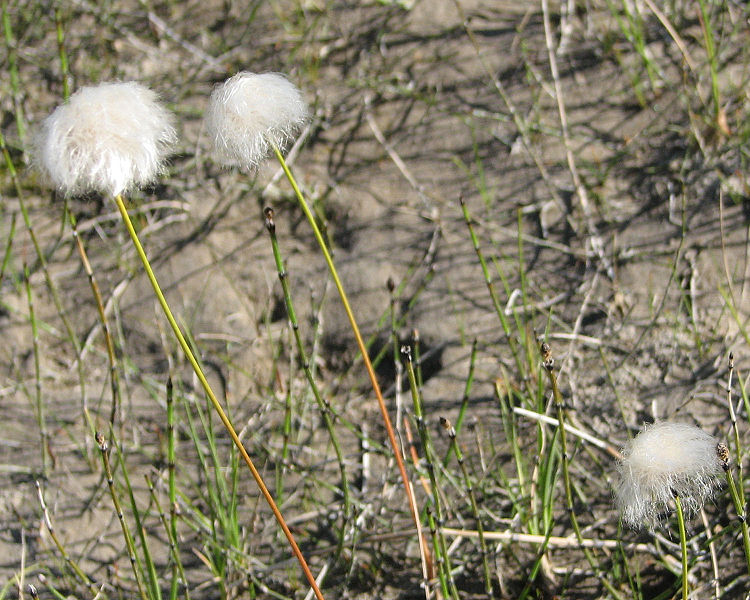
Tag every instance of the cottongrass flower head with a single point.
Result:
(250, 114)
(107, 138)
(665, 460)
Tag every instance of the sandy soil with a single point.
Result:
(625, 269)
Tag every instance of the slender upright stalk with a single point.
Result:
(549, 364)
(683, 547)
(135, 563)
(512, 342)
(739, 507)
(473, 500)
(114, 378)
(173, 550)
(735, 429)
(11, 46)
(171, 468)
(417, 362)
(149, 568)
(467, 391)
(441, 548)
(357, 335)
(62, 53)
(8, 247)
(708, 37)
(212, 397)
(323, 405)
(439, 557)
(41, 421)
(286, 434)
(737, 492)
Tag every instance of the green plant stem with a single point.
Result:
(441, 548)
(357, 335)
(745, 398)
(512, 343)
(41, 421)
(417, 360)
(286, 434)
(439, 557)
(708, 37)
(172, 468)
(683, 547)
(452, 435)
(467, 390)
(15, 81)
(736, 492)
(114, 377)
(135, 562)
(173, 550)
(64, 69)
(220, 520)
(739, 507)
(323, 405)
(391, 286)
(8, 247)
(153, 580)
(510, 427)
(212, 397)
(557, 398)
(735, 430)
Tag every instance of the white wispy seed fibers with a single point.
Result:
(664, 460)
(107, 138)
(250, 113)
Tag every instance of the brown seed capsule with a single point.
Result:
(722, 451)
(448, 426)
(270, 224)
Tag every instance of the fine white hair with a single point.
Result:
(251, 113)
(665, 460)
(107, 138)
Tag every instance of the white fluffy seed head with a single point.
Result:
(663, 461)
(250, 113)
(107, 138)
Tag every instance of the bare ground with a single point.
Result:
(624, 268)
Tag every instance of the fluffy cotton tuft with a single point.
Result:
(663, 461)
(250, 113)
(107, 138)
